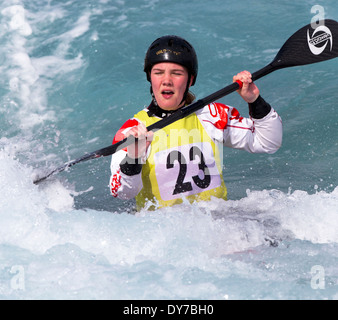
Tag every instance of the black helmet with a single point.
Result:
(171, 49)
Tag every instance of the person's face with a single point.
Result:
(169, 81)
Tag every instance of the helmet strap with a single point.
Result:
(153, 96)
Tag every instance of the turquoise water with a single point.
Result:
(72, 74)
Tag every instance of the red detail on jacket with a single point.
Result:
(120, 135)
(115, 183)
(220, 110)
(235, 115)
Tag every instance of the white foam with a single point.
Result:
(311, 217)
(25, 208)
(40, 226)
(215, 228)
(16, 14)
(30, 77)
(80, 28)
(26, 95)
(59, 198)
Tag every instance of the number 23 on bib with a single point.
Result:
(192, 170)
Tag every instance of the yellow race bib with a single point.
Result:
(183, 162)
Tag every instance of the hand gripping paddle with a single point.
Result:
(307, 45)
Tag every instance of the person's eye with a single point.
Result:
(157, 72)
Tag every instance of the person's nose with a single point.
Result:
(167, 79)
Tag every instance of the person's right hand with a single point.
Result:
(140, 147)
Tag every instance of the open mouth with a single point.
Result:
(167, 93)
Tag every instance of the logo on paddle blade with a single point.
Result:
(322, 34)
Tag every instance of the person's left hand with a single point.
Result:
(249, 92)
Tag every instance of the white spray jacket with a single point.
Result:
(218, 124)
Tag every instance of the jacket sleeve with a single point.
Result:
(253, 135)
(125, 180)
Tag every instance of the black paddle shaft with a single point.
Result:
(306, 46)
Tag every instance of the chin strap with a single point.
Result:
(153, 96)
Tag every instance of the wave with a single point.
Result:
(188, 250)
(29, 212)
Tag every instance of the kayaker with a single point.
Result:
(184, 159)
